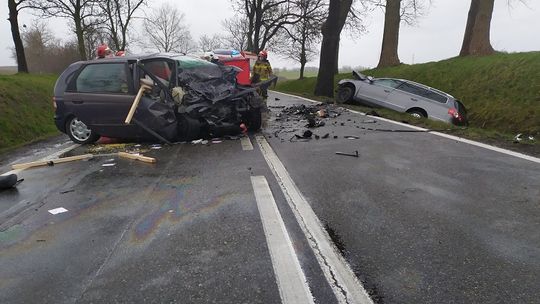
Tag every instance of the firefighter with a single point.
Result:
(103, 51)
(262, 70)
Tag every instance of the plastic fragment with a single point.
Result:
(354, 154)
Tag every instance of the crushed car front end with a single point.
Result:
(205, 99)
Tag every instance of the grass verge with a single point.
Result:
(26, 111)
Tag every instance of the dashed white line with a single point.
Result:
(345, 285)
(246, 143)
(291, 281)
(447, 136)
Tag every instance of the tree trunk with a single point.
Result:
(22, 66)
(80, 38)
(303, 62)
(392, 18)
(303, 59)
(476, 40)
(331, 32)
(336, 67)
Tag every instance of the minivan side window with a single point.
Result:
(102, 78)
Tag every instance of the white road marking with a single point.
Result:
(346, 287)
(58, 210)
(49, 157)
(485, 146)
(291, 281)
(294, 96)
(452, 137)
(246, 143)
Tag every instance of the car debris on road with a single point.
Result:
(9, 181)
(354, 154)
(523, 138)
(52, 162)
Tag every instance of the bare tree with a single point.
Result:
(476, 40)
(237, 32)
(79, 12)
(298, 41)
(95, 36)
(40, 43)
(14, 8)
(338, 11)
(396, 11)
(265, 19)
(209, 43)
(118, 15)
(164, 30)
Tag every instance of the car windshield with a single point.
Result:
(214, 81)
(195, 67)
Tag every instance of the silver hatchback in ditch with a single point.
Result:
(403, 96)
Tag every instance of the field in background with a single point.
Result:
(294, 74)
(8, 70)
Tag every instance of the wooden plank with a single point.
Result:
(136, 103)
(142, 158)
(52, 161)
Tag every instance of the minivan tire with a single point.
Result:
(254, 119)
(79, 133)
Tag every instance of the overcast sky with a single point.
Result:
(438, 35)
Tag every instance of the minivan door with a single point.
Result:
(101, 96)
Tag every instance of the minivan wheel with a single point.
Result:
(254, 119)
(344, 94)
(79, 132)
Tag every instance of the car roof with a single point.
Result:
(421, 85)
(139, 57)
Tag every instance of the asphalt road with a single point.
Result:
(418, 218)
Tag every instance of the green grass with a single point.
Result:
(295, 74)
(501, 92)
(26, 111)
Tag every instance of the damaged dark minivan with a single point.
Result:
(183, 98)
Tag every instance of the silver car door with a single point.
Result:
(376, 91)
(405, 96)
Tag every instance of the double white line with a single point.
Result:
(290, 278)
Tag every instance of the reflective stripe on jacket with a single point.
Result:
(263, 69)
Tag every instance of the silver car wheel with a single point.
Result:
(79, 130)
(345, 94)
(416, 115)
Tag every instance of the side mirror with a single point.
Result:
(370, 78)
